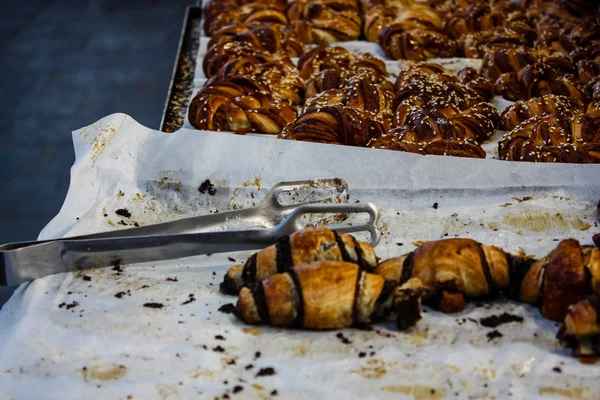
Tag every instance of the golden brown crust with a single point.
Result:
(338, 58)
(282, 299)
(403, 41)
(582, 319)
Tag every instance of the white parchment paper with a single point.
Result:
(70, 338)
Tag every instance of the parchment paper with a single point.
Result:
(68, 337)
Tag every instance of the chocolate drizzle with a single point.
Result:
(359, 279)
(299, 322)
(360, 256)
(283, 255)
(517, 269)
(249, 271)
(489, 278)
(342, 246)
(260, 300)
(407, 268)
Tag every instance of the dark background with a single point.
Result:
(64, 65)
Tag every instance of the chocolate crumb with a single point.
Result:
(153, 305)
(257, 355)
(207, 186)
(123, 212)
(72, 305)
(218, 349)
(219, 337)
(237, 389)
(249, 366)
(144, 287)
(121, 294)
(274, 393)
(86, 278)
(191, 299)
(226, 396)
(400, 244)
(435, 205)
(172, 279)
(343, 338)
(493, 335)
(117, 266)
(61, 305)
(231, 259)
(558, 370)
(496, 320)
(371, 354)
(268, 371)
(231, 362)
(362, 354)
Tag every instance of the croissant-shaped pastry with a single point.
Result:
(267, 37)
(362, 94)
(239, 104)
(323, 58)
(484, 87)
(280, 75)
(537, 80)
(319, 295)
(448, 270)
(400, 41)
(305, 246)
(581, 329)
(552, 138)
(334, 124)
(521, 111)
(561, 279)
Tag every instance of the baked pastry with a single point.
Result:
(521, 111)
(338, 58)
(417, 15)
(562, 10)
(561, 279)
(305, 246)
(220, 13)
(403, 41)
(553, 138)
(325, 21)
(334, 124)
(478, 44)
(361, 93)
(265, 37)
(239, 104)
(537, 80)
(501, 61)
(581, 329)
(280, 76)
(219, 55)
(319, 295)
(338, 79)
(473, 80)
(444, 272)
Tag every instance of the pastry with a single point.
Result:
(325, 21)
(239, 104)
(553, 138)
(334, 124)
(338, 58)
(403, 41)
(220, 13)
(521, 111)
(319, 295)
(308, 245)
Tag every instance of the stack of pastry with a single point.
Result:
(435, 113)
(318, 279)
(348, 98)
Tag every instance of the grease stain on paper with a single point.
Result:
(103, 372)
(538, 221)
(418, 392)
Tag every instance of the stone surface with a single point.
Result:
(64, 65)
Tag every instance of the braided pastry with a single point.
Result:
(322, 58)
(220, 54)
(334, 124)
(563, 10)
(402, 41)
(416, 15)
(362, 94)
(280, 75)
(270, 38)
(219, 13)
(537, 80)
(552, 138)
(470, 77)
(323, 21)
(478, 44)
(515, 114)
(239, 104)
(320, 295)
(305, 246)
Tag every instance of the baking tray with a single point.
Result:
(182, 79)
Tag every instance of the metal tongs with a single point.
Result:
(25, 261)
